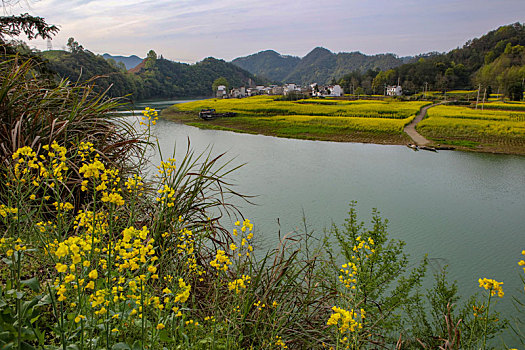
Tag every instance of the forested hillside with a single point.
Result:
(156, 78)
(269, 64)
(458, 68)
(320, 65)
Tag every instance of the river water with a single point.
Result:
(465, 210)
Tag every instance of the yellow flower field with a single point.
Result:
(459, 121)
(268, 105)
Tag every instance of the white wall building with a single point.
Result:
(395, 90)
(336, 91)
(221, 91)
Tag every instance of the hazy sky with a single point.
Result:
(190, 30)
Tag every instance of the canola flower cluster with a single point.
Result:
(246, 236)
(107, 278)
(346, 320)
(492, 285)
(364, 248)
(99, 274)
(8, 212)
(186, 249)
(47, 169)
(239, 284)
(9, 245)
(151, 115)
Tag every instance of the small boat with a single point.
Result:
(209, 114)
(426, 148)
(414, 147)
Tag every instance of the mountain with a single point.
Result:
(152, 78)
(129, 61)
(457, 69)
(165, 78)
(269, 64)
(83, 65)
(320, 65)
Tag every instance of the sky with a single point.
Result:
(190, 30)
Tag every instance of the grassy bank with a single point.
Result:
(499, 128)
(315, 119)
(493, 129)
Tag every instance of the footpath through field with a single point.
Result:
(410, 129)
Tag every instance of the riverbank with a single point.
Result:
(496, 145)
(271, 127)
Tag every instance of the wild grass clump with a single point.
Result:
(35, 112)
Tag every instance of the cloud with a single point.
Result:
(191, 30)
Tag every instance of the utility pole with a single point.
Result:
(484, 94)
(477, 98)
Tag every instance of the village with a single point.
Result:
(312, 90)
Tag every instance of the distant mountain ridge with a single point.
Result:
(129, 61)
(269, 64)
(319, 66)
(150, 78)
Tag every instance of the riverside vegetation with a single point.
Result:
(500, 127)
(493, 127)
(98, 255)
(322, 119)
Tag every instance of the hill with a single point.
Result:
(269, 64)
(457, 69)
(320, 65)
(129, 61)
(165, 78)
(152, 78)
(83, 65)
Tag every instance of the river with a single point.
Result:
(465, 210)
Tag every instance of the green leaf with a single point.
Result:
(72, 347)
(32, 283)
(26, 346)
(34, 319)
(121, 346)
(20, 295)
(137, 345)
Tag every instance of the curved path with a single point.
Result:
(410, 129)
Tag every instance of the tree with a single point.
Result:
(30, 26)
(73, 46)
(220, 81)
(382, 79)
(151, 59)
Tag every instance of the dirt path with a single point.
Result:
(410, 129)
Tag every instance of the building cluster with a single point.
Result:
(313, 90)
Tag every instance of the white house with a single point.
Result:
(288, 88)
(335, 91)
(238, 92)
(221, 91)
(395, 90)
